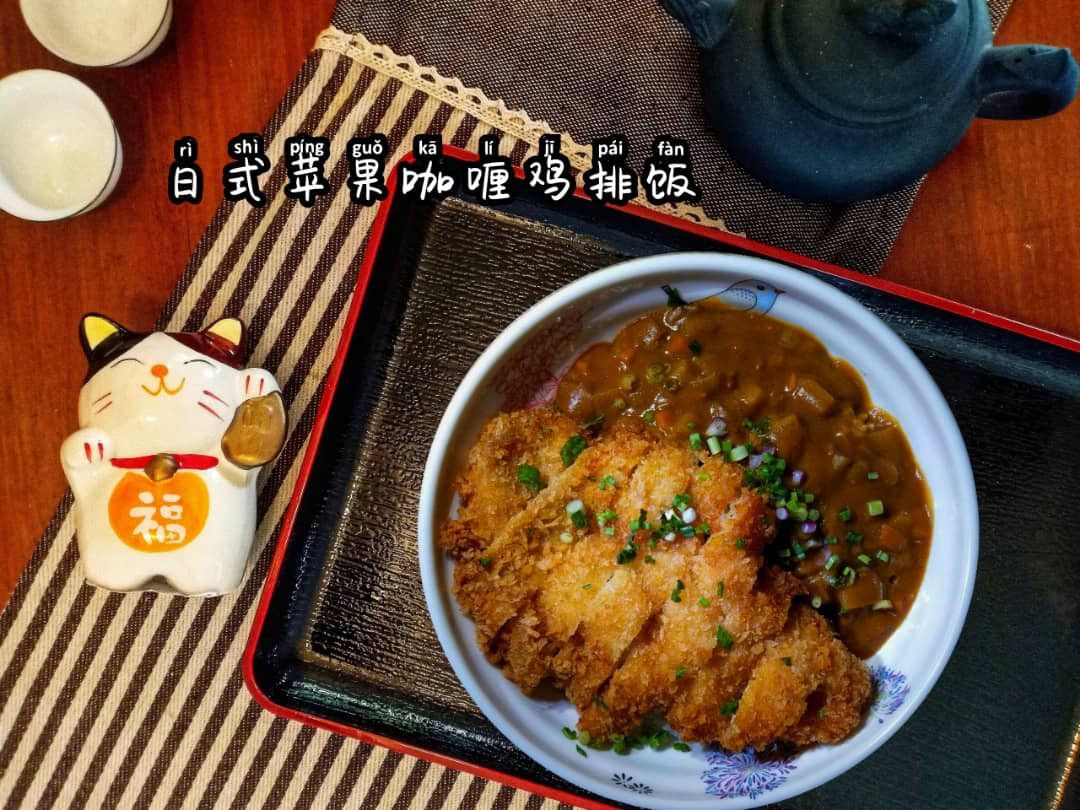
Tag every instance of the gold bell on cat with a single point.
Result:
(172, 433)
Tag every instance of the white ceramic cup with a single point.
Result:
(99, 33)
(60, 153)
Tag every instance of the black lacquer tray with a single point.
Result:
(343, 640)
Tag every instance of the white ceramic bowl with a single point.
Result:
(533, 351)
(99, 33)
(60, 153)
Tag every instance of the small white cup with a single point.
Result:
(60, 153)
(99, 33)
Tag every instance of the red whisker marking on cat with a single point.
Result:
(96, 401)
(88, 451)
(206, 407)
(100, 450)
(261, 382)
(247, 383)
(103, 407)
(215, 396)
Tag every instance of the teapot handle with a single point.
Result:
(1025, 81)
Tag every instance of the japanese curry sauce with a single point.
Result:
(683, 367)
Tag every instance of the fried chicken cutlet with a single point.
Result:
(653, 598)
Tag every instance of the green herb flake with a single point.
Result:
(569, 733)
(831, 540)
(681, 746)
(853, 538)
(787, 660)
(676, 594)
(579, 519)
(714, 445)
(695, 441)
(596, 420)
(703, 602)
(529, 476)
(738, 453)
(649, 560)
(875, 508)
(760, 428)
(572, 449)
(729, 708)
(680, 673)
(723, 637)
(821, 712)
(628, 553)
(581, 750)
(607, 481)
(864, 559)
(883, 556)
(720, 589)
(845, 514)
(586, 586)
(649, 416)
(485, 562)
(740, 543)
(872, 476)
(673, 297)
(681, 501)
(606, 516)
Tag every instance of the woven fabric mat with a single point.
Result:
(136, 700)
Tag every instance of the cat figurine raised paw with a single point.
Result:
(172, 432)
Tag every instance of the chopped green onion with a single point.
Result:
(609, 531)
(676, 594)
(875, 508)
(821, 712)
(815, 603)
(695, 441)
(581, 750)
(714, 445)
(649, 416)
(485, 562)
(606, 515)
(680, 672)
(681, 746)
(658, 740)
(872, 476)
(576, 505)
(787, 660)
(739, 453)
(572, 449)
(569, 733)
(673, 297)
(607, 481)
(864, 559)
(579, 519)
(566, 537)
(703, 602)
(529, 476)
(628, 553)
(883, 556)
(681, 501)
(832, 561)
(845, 514)
(740, 543)
(831, 540)
(729, 708)
(586, 586)
(720, 589)
(853, 537)
(703, 476)
(649, 560)
(695, 347)
(723, 637)
(884, 604)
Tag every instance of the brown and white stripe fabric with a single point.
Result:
(136, 700)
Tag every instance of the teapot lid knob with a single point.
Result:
(909, 21)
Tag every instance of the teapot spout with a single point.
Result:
(912, 22)
(706, 20)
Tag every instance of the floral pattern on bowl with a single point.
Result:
(890, 691)
(745, 774)
(628, 782)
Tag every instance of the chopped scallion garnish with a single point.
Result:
(864, 559)
(485, 562)
(787, 660)
(875, 508)
(703, 602)
(572, 449)
(714, 445)
(529, 476)
(649, 416)
(845, 514)
(729, 708)
(739, 453)
(723, 637)
(740, 543)
(872, 476)
(681, 746)
(883, 556)
(695, 441)
(680, 672)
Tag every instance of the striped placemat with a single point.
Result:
(136, 700)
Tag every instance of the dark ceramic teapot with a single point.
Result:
(840, 100)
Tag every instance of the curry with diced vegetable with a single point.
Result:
(851, 508)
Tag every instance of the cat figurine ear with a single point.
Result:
(172, 431)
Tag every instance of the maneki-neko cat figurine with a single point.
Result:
(172, 432)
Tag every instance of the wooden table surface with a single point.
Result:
(993, 226)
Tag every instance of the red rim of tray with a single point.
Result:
(364, 275)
